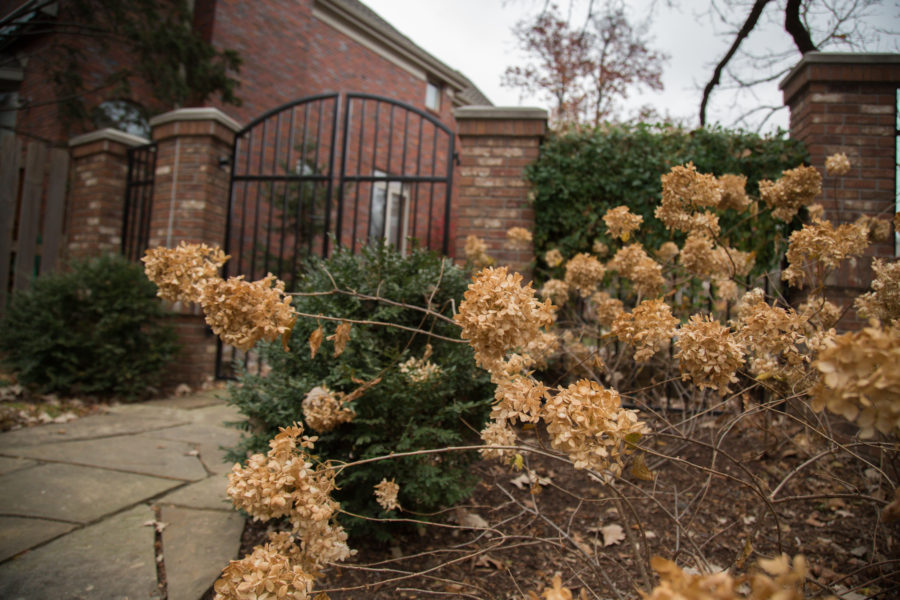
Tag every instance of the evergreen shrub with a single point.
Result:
(582, 174)
(396, 415)
(96, 328)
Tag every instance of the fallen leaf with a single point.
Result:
(612, 534)
(639, 468)
(811, 520)
(467, 519)
(557, 592)
(158, 525)
(745, 554)
(487, 561)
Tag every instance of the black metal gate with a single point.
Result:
(332, 170)
(138, 200)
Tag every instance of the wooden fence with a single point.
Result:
(32, 211)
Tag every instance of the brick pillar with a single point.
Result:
(190, 202)
(96, 200)
(848, 103)
(496, 144)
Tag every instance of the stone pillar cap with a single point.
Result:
(108, 134)
(196, 114)
(500, 112)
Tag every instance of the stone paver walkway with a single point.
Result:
(80, 503)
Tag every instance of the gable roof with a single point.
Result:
(369, 22)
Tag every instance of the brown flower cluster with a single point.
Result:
(583, 273)
(878, 230)
(272, 570)
(498, 315)
(860, 379)
(734, 192)
(837, 164)
(604, 308)
(776, 579)
(243, 312)
(323, 410)
(518, 237)
(386, 494)
(284, 483)
(883, 302)
(647, 328)
(476, 252)
(797, 187)
(708, 353)
(599, 248)
(181, 273)
(667, 252)
(621, 222)
(518, 397)
(684, 192)
(772, 337)
(553, 258)
(556, 290)
(588, 423)
(819, 247)
(498, 434)
(419, 370)
(633, 263)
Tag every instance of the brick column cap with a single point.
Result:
(844, 67)
(501, 121)
(500, 112)
(196, 114)
(108, 135)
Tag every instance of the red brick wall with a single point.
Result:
(495, 147)
(847, 103)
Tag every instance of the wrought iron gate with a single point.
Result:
(332, 170)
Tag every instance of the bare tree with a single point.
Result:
(585, 70)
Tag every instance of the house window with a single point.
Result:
(389, 215)
(123, 115)
(432, 96)
(9, 103)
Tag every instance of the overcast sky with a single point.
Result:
(475, 37)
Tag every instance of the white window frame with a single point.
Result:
(433, 96)
(393, 198)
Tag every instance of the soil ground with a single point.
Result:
(706, 509)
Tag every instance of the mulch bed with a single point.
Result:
(569, 523)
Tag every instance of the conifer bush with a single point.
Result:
(429, 392)
(96, 328)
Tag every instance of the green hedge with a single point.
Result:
(93, 329)
(580, 175)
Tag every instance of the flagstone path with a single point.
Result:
(81, 503)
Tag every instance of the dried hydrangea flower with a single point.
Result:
(772, 337)
(647, 328)
(583, 273)
(556, 290)
(684, 192)
(820, 246)
(518, 237)
(797, 187)
(837, 164)
(268, 571)
(819, 313)
(879, 230)
(708, 354)
(883, 302)
(419, 370)
(181, 273)
(698, 256)
(518, 397)
(860, 379)
(633, 263)
(386, 494)
(599, 248)
(242, 312)
(553, 258)
(476, 252)
(815, 211)
(604, 308)
(668, 251)
(621, 222)
(734, 192)
(323, 410)
(498, 434)
(588, 423)
(499, 315)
